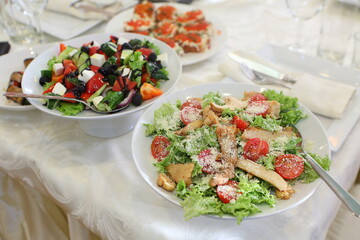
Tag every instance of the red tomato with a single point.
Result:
(130, 84)
(93, 50)
(69, 95)
(144, 77)
(207, 159)
(69, 85)
(289, 166)
(257, 97)
(190, 114)
(259, 108)
(145, 51)
(240, 123)
(255, 148)
(158, 147)
(85, 96)
(192, 102)
(228, 191)
(116, 87)
(95, 83)
(67, 62)
(49, 90)
(94, 68)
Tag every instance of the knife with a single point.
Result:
(261, 69)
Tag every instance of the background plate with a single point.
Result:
(116, 24)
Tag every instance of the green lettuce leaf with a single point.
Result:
(70, 109)
(309, 175)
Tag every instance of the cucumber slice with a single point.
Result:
(109, 48)
(64, 54)
(97, 93)
(81, 60)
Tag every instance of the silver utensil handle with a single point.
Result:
(343, 195)
(12, 94)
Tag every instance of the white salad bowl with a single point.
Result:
(310, 128)
(97, 124)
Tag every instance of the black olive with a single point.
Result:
(126, 46)
(78, 90)
(44, 80)
(85, 49)
(152, 57)
(137, 99)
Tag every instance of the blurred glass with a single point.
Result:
(336, 30)
(356, 53)
(18, 32)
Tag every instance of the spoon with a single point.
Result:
(13, 94)
(340, 192)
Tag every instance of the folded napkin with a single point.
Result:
(322, 96)
(86, 9)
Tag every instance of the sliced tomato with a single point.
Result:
(49, 90)
(67, 62)
(228, 191)
(289, 166)
(85, 96)
(95, 83)
(145, 51)
(207, 159)
(69, 85)
(255, 148)
(69, 68)
(192, 102)
(69, 95)
(148, 91)
(257, 97)
(94, 68)
(130, 84)
(159, 147)
(190, 114)
(93, 50)
(258, 108)
(144, 77)
(240, 123)
(116, 87)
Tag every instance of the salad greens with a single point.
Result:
(200, 197)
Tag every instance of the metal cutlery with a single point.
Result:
(258, 79)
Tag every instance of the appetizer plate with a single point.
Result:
(108, 126)
(116, 24)
(14, 62)
(310, 128)
(337, 129)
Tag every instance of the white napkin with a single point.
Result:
(322, 96)
(85, 9)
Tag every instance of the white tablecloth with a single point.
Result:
(95, 180)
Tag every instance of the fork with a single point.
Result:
(260, 79)
(88, 105)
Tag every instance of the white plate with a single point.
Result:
(32, 74)
(116, 24)
(310, 128)
(14, 62)
(337, 129)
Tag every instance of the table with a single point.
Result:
(95, 182)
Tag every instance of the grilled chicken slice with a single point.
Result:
(268, 175)
(229, 157)
(253, 132)
(190, 127)
(230, 102)
(210, 118)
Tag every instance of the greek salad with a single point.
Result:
(111, 75)
(223, 155)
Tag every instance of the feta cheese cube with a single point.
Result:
(122, 40)
(97, 100)
(59, 89)
(95, 44)
(85, 75)
(58, 69)
(72, 53)
(126, 72)
(163, 58)
(97, 59)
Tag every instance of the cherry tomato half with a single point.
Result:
(207, 159)
(289, 166)
(192, 102)
(190, 114)
(255, 148)
(228, 191)
(158, 147)
(240, 123)
(257, 97)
